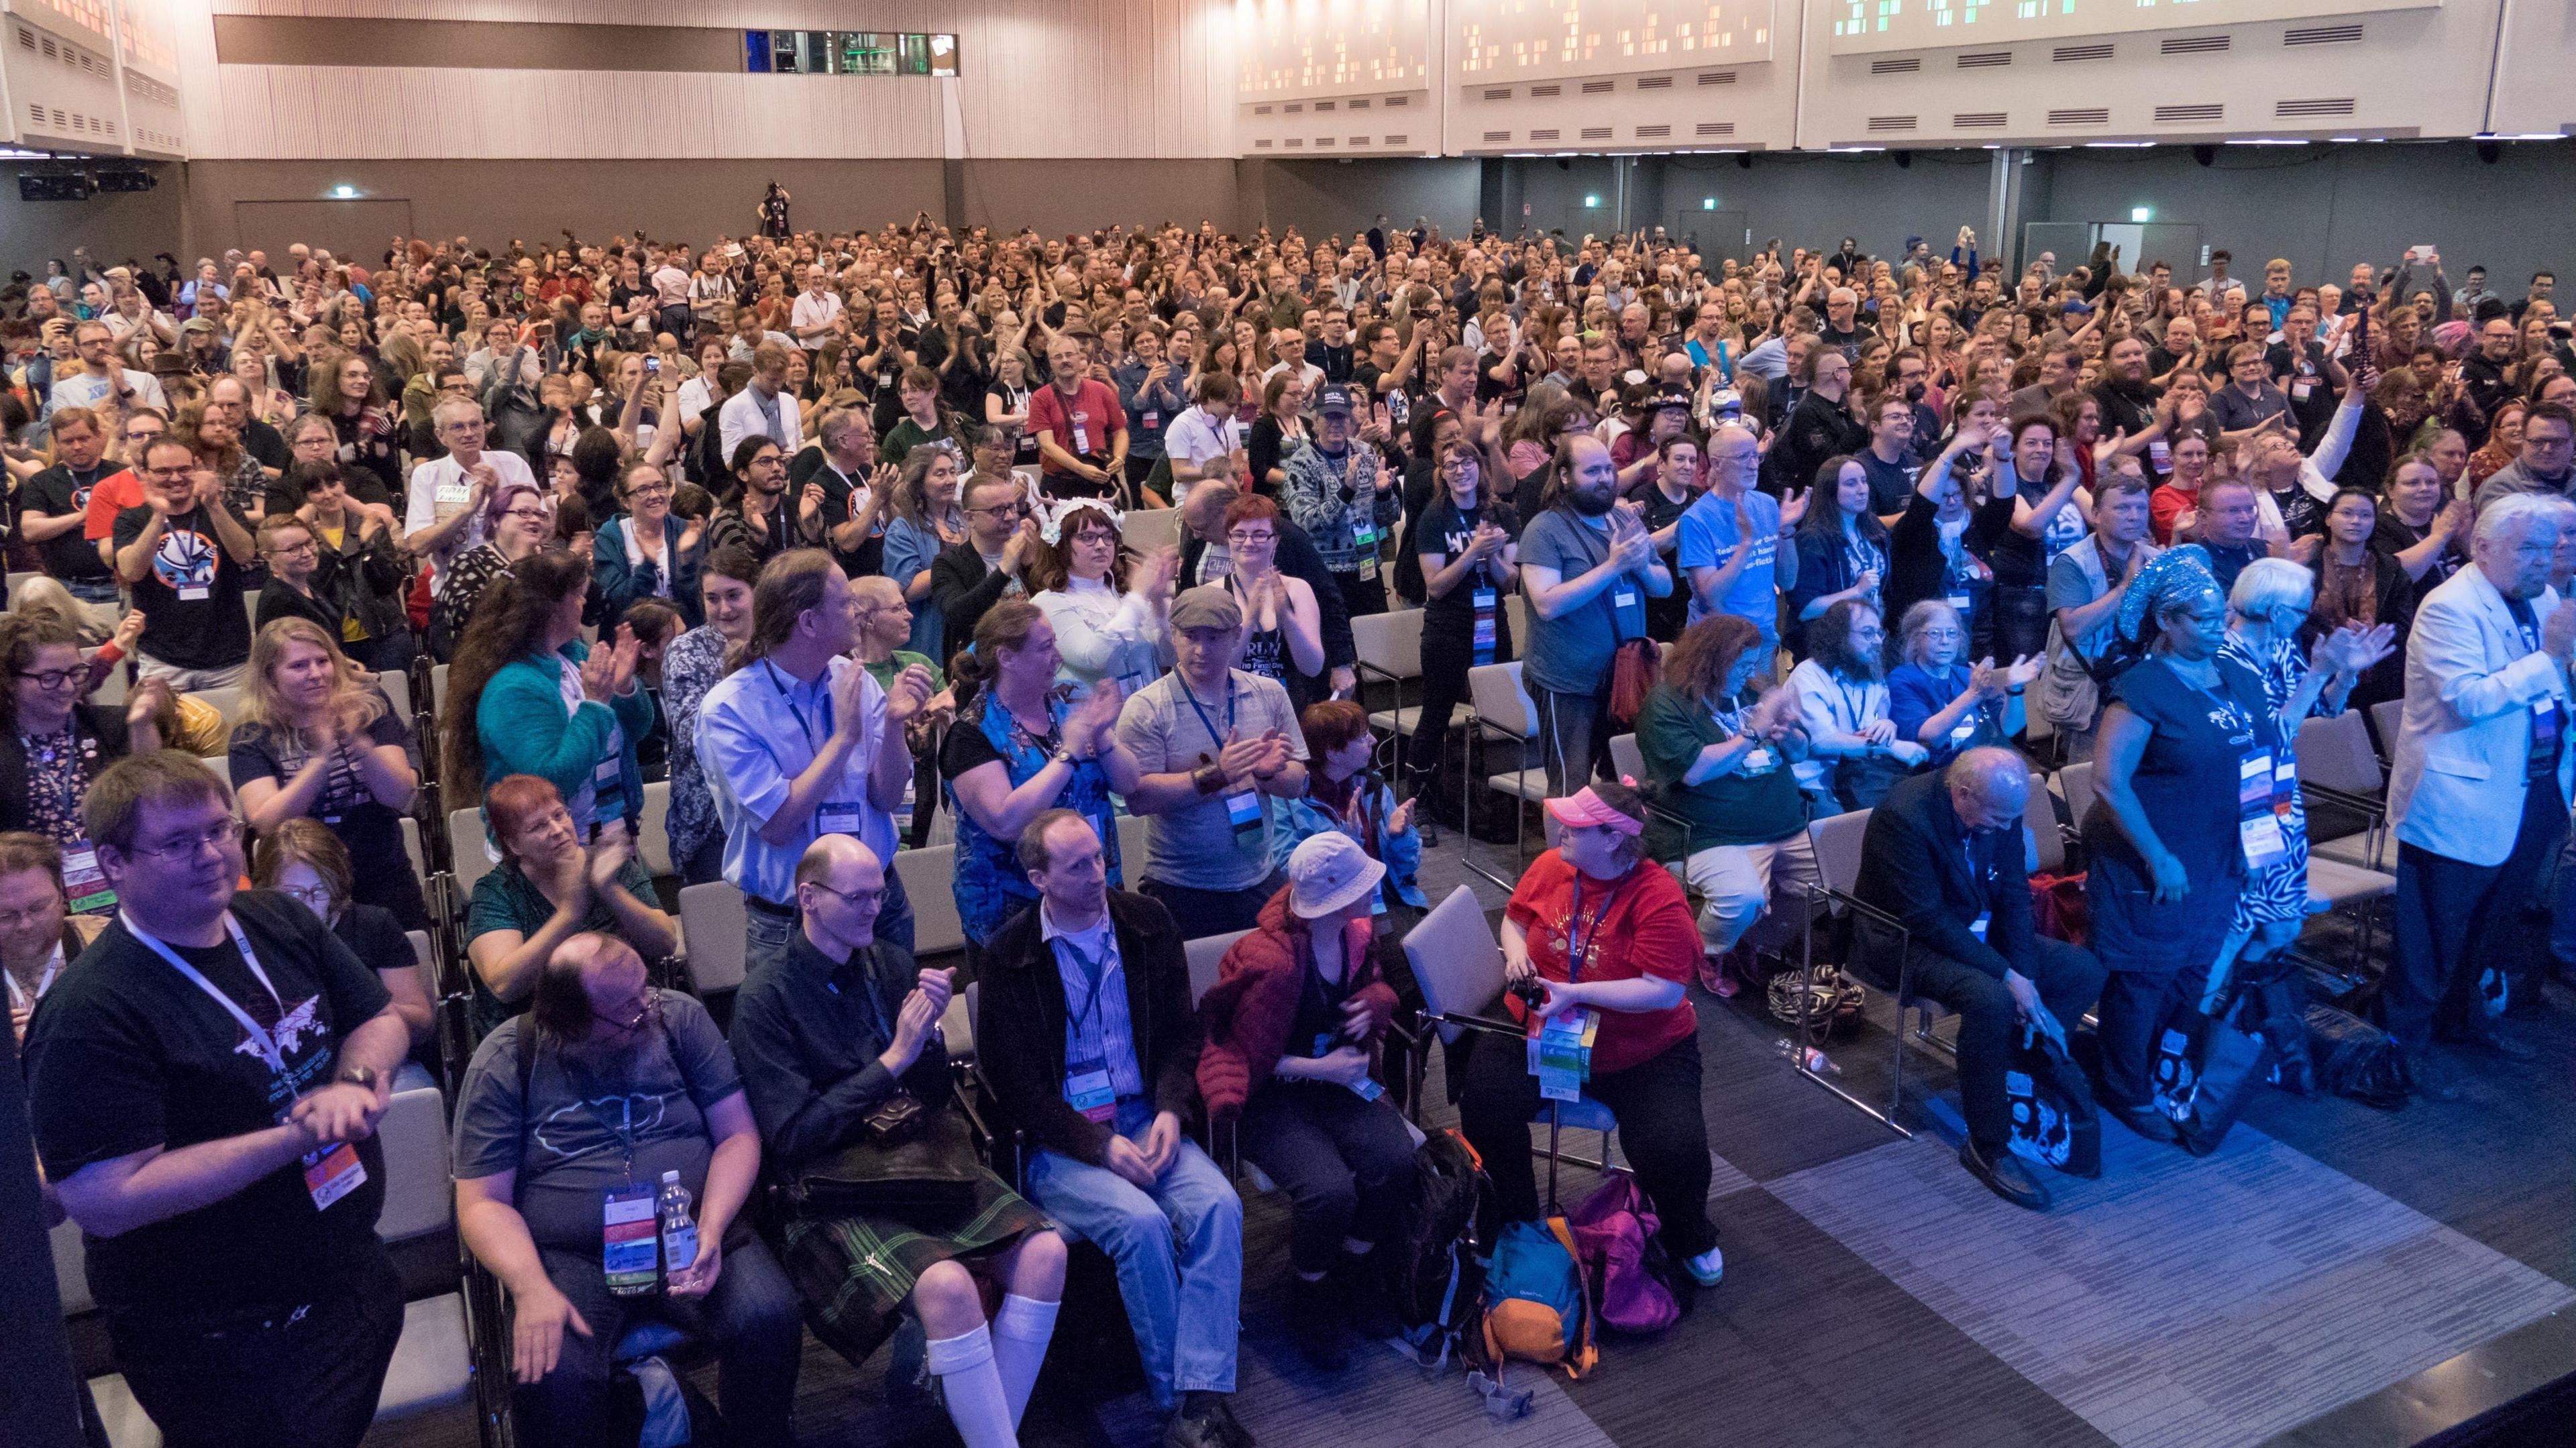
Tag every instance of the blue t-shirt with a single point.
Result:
(1708, 540)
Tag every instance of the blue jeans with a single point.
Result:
(1179, 1251)
(768, 935)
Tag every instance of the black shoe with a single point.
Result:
(1227, 1425)
(1361, 1290)
(1194, 1430)
(2005, 1175)
(2495, 1044)
(1316, 1316)
(2146, 1121)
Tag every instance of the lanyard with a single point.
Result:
(1577, 927)
(1858, 721)
(261, 1041)
(20, 999)
(1210, 724)
(787, 696)
(1095, 973)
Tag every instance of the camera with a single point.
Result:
(1529, 992)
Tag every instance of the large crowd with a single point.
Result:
(835, 535)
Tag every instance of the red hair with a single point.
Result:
(514, 804)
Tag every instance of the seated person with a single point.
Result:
(546, 890)
(1721, 757)
(616, 1084)
(1938, 699)
(1087, 1037)
(1853, 752)
(1943, 853)
(828, 1033)
(1627, 953)
(1292, 1022)
(317, 740)
(38, 935)
(303, 860)
(52, 746)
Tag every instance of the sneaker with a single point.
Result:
(2004, 1174)
(1195, 1428)
(1316, 1316)
(1231, 1427)
(1708, 1268)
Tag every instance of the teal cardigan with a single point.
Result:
(523, 729)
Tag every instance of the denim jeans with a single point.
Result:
(1179, 1251)
(767, 937)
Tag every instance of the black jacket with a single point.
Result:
(1019, 1026)
(964, 588)
(100, 734)
(1298, 559)
(1815, 431)
(1914, 866)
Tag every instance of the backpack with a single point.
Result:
(2054, 1122)
(1615, 1230)
(1538, 1305)
(1435, 1271)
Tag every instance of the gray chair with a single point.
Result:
(717, 926)
(928, 877)
(1503, 714)
(1390, 649)
(1206, 954)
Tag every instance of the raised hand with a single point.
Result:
(623, 657)
(596, 673)
(1793, 505)
(607, 858)
(911, 692)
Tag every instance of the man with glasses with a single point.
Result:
(103, 381)
(122, 488)
(38, 934)
(968, 578)
(183, 553)
(205, 1089)
(445, 514)
(53, 506)
(2547, 465)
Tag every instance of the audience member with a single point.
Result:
(1730, 539)
(304, 861)
(1107, 628)
(38, 933)
(2086, 584)
(1283, 638)
(55, 747)
(643, 553)
(547, 889)
(1842, 548)
(1588, 565)
(527, 696)
(185, 557)
(1853, 751)
(691, 665)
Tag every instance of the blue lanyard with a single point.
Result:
(1577, 927)
(787, 697)
(1094, 972)
(1206, 722)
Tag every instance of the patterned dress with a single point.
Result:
(990, 885)
(2281, 892)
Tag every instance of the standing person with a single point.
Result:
(41, 936)
(54, 747)
(1293, 1022)
(54, 509)
(2357, 584)
(1469, 562)
(521, 522)
(1588, 566)
(883, 626)
(1720, 743)
(536, 1155)
(1107, 630)
(1942, 854)
(356, 562)
(2174, 826)
(1019, 749)
(448, 510)
(1341, 492)
(799, 741)
(1673, 482)
(2483, 742)
(1842, 548)
(1599, 930)
(184, 554)
(1002, 542)
(1823, 424)
(1928, 551)
(762, 408)
(1730, 539)
(753, 513)
(2040, 477)
(643, 553)
(2085, 587)
(1282, 613)
(691, 665)
(315, 739)
(927, 522)
(205, 1089)
(1080, 428)
(829, 1034)
(1150, 393)
(1206, 787)
(1102, 1089)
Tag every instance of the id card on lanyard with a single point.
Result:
(1487, 603)
(1242, 807)
(1087, 1086)
(2258, 823)
(330, 1172)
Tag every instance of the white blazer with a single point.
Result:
(2455, 783)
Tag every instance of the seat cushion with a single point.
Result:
(1409, 718)
(433, 1362)
(2336, 883)
(2355, 850)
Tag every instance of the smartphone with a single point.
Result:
(652, 365)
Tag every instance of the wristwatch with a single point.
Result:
(358, 1076)
(1064, 754)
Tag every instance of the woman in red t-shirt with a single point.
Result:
(1601, 929)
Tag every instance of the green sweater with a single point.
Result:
(524, 730)
(1731, 809)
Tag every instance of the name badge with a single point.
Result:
(1364, 535)
(1964, 730)
(2258, 828)
(1757, 760)
(1960, 602)
(2160, 455)
(84, 883)
(1977, 927)
(1630, 606)
(1486, 602)
(607, 772)
(1081, 439)
(837, 817)
(195, 594)
(1152, 420)
(1087, 1090)
(2545, 722)
(1560, 1055)
(2300, 389)
(1243, 811)
(629, 1239)
(332, 1172)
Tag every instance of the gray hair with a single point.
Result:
(2502, 523)
(1920, 616)
(1990, 770)
(2270, 583)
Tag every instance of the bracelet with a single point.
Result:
(1207, 779)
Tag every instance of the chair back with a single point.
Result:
(2075, 781)
(1131, 850)
(1626, 758)
(928, 881)
(413, 849)
(2039, 816)
(71, 1269)
(226, 701)
(397, 687)
(1495, 692)
(469, 857)
(653, 846)
(1390, 642)
(2335, 753)
(2388, 716)
(1837, 839)
(1207, 957)
(222, 765)
(438, 690)
(426, 962)
(1456, 959)
(716, 925)
(1146, 529)
(419, 1197)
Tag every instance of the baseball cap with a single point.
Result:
(1207, 606)
(1333, 398)
(1328, 873)
(1588, 808)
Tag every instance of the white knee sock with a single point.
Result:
(964, 1366)
(1021, 1331)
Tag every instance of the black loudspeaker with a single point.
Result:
(2488, 151)
(53, 186)
(1744, 159)
(2205, 155)
(1904, 160)
(127, 181)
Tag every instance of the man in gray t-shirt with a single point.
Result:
(1214, 745)
(1588, 565)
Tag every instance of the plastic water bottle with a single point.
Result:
(679, 1229)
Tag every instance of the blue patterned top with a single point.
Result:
(990, 885)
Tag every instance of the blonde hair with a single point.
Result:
(354, 703)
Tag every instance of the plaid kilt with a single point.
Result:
(855, 1274)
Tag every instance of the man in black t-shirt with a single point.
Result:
(204, 1084)
(54, 505)
(183, 553)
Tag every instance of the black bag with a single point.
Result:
(2208, 1065)
(2357, 1059)
(2279, 1003)
(922, 1165)
(1862, 780)
(2054, 1122)
(1435, 1274)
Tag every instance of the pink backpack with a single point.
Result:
(1611, 1229)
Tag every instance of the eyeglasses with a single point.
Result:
(525, 515)
(186, 847)
(316, 898)
(1242, 538)
(291, 549)
(34, 914)
(855, 899)
(53, 678)
(1007, 510)
(649, 490)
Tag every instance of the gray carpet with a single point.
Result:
(2179, 1303)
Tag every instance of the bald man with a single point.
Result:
(1945, 856)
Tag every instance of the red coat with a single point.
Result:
(1247, 1013)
